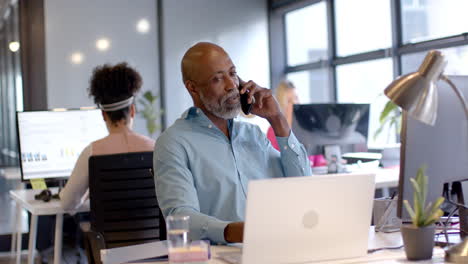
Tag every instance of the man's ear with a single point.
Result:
(191, 87)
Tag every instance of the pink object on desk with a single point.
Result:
(197, 252)
(187, 257)
(317, 160)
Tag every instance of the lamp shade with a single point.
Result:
(416, 92)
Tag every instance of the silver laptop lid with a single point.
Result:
(302, 219)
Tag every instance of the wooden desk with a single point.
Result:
(25, 200)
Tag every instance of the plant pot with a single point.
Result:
(418, 241)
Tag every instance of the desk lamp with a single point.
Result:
(416, 94)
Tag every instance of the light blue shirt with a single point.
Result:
(199, 172)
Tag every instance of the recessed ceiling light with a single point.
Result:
(77, 58)
(143, 26)
(14, 46)
(102, 44)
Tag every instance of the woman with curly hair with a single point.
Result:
(113, 89)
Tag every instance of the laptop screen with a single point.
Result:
(51, 141)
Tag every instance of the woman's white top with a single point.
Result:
(76, 190)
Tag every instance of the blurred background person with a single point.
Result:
(286, 96)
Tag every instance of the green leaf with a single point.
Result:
(391, 113)
(436, 205)
(399, 124)
(433, 218)
(389, 107)
(428, 210)
(422, 179)
(416, 187)
(409, 209)
(151, 127)
(393, 122)
(424, 189)
(417, 209)
(149, 112)
(148, 96)
(380, 129)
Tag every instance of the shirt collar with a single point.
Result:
(192, 112)
(196, 113)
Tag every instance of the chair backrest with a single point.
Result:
(124, 208)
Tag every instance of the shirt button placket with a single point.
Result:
(242, 179)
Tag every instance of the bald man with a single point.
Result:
(204, 161)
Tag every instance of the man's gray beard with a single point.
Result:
(221, 109)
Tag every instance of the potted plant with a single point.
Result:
(150, 113)
(418, 237)
(390, 118)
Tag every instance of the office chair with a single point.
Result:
(124, 208)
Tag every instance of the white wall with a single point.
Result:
(240, 27)
(75, 26)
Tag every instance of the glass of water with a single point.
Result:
(177, 232)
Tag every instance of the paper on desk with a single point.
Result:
(38, 184)
(133, 253)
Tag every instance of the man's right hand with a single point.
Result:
(234, 232)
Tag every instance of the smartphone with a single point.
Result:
(246, 107)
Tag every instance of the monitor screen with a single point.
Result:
(318, 125)
(51, 141)
(442, 148)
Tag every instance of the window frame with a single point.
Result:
(10, 70)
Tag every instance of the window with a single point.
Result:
(10, 86)
(311, 86)
(306, 34)
(457, 61)
(362, 25)
(349, 57)
(432, 19)
(354, 87)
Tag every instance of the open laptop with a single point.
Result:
(306, 219)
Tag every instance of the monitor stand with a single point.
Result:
(333, 157)
(457, 188)
(458, 253)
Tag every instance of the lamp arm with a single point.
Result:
(458, 93)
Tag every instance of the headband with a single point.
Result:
(117, 105)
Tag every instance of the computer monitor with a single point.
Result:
(442, 148)
(51, 141)
(318, 125)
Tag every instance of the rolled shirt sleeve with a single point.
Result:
(293, 156)
(203, 226)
